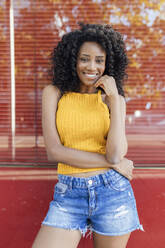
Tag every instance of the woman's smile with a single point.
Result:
(90, 64)
(91, 75)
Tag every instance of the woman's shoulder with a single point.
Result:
(51, 91)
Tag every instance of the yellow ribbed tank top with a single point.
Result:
(82, 122)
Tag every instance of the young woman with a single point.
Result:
(83, 117)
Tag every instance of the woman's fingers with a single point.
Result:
(125, 168)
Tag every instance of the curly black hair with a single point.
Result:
(64, 56)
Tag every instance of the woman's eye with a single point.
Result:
(99, 61)
(83, 59)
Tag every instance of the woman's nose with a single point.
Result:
(92, 65)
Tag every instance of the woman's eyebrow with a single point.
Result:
(100, 56)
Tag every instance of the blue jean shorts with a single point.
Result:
(104, 204)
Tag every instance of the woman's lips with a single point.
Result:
(90, 75)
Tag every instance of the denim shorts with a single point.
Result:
(104, 204)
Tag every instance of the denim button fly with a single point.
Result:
(90, 182)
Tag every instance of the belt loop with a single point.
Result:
(105, 179)
(70, 183)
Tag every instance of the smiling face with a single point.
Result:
(90, 65)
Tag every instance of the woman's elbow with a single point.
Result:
(116, 158)
(113, 159)
(124, 151)
(53, 155)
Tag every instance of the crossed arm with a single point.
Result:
(56, 152)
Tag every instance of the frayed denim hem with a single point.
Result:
(140, 227)
(82, 230)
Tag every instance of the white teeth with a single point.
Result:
(91, 75)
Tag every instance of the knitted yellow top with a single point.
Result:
(82, 122)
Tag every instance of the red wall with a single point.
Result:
(28, 192)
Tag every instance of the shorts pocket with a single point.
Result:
(119, 183)
(60, 188)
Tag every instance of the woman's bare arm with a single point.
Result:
(116, 146)
(56, 152)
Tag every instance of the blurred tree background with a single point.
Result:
(40, 24)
